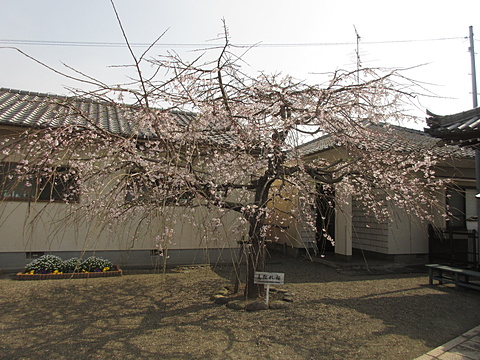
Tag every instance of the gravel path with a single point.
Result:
(170, 316)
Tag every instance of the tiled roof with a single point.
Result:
(325, 142)
(30, 109)
(390, 137)
(461, 128)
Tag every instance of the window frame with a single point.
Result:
(458, 220)
(35, 186)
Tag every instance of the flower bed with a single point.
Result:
(53, 267)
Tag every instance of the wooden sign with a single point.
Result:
(268, 278)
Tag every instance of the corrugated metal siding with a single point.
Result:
(367, 233)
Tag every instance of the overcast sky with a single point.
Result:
(301, 38)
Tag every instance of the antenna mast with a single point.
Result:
(359, 64)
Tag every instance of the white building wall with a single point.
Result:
(343, 225)
(43, 227)
(407, 235)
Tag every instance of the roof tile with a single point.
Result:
(391, 137)
(30, 109)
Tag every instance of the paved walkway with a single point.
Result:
(465, 347)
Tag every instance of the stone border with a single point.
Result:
(225, 296)
(81, 275)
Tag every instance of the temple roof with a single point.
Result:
(462, 129)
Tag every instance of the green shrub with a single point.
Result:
(94, 263)
(45, 264)
(72, 265)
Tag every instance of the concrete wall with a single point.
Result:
(16, 261)
(41, 227)
(45, 226)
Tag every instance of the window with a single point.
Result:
(34, 254)
(156, 252)
(462, 207)
(50, 184)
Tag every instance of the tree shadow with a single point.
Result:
(171, 316)
(304, 270)
(85, 320)
(434, 318)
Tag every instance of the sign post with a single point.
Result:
(268, 278)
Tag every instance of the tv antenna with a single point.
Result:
(359, 63)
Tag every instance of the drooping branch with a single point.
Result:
(223, 139)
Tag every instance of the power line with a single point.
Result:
(17, 42)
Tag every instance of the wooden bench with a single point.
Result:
(453, 275)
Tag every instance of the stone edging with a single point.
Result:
(463, 347)
(225, 296)
(82, 275)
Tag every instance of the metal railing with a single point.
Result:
(453, 247)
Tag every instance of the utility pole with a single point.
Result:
(477, 152)
(474, 74)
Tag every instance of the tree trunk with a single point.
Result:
(256, 251)
(256, 257)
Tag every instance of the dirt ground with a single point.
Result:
(334, 315)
